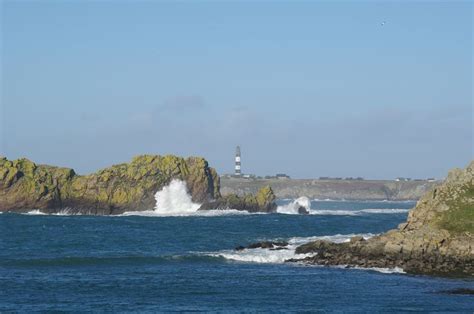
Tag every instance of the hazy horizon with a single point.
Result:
(377, 90)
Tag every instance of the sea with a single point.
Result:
(180, 260)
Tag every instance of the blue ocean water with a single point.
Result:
(136, 263)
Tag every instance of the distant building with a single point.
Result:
(402, 179)
(431, 179)
(282, 176)
(331, 178)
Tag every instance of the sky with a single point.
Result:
(373, 89)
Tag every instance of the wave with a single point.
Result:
(201, 213)
(279, 256)
(360, 201)
(294, 206)
(383, 270)
(175, 199)
(34, 212)
(63, 212)
(343, 212)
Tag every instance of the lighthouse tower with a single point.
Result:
(238, 172)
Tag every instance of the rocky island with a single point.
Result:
(438, 237)
(131, 186)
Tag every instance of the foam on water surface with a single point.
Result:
(279, 256)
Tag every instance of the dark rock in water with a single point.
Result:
(436, 239)
(277, 245)
(460, 291)
(302, 210)
(263, 201)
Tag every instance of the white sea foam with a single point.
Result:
(292, 208)
(35, 212)
(203, 213)
(394, 270)
(270, 256)
(175, 199)
(260, 255)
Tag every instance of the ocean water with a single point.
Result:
(156, 263)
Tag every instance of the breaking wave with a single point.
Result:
(281, 255)
(174, 198)
(294, 206)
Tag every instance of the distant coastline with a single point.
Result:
(331, 189)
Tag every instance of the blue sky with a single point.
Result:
(306, 88)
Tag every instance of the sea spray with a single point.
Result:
(175, 199)
(293, 207)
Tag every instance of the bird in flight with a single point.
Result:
(383, 23)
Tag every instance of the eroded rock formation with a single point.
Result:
(25, 185)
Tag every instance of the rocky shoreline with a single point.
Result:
(26, 186)
(437, 239)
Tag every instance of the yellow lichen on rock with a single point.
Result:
(127, 186)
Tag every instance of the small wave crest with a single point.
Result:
(200, 213)
(343, 212)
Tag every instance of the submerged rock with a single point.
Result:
(25, 185)
(438, 237)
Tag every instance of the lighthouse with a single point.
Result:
(238, 172)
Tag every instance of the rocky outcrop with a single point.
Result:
(438, 237)
(25, 185)
(262, 201)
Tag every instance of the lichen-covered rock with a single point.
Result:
(124, 187)
(263, 201)
(438, 237)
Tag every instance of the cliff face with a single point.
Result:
(262, 201)
(438, 236)
(25, 185)
(332, 189)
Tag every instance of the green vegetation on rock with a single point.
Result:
(263, 201)
(25, 185)
(459, 218)
(436, 239)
